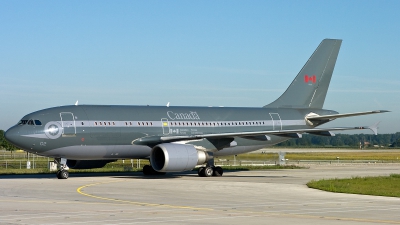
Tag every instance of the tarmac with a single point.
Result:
(240, 197)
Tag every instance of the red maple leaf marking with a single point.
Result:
(312, 78)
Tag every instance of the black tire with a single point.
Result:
(218, 171)
(200, 172)
(58, 174)
(208, 171)
(64, 174)
(147, 170)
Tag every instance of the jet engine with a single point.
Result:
(169, 157)
(87, 164)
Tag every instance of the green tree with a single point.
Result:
(396, 143)
(4, 144)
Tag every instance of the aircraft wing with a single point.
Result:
(316, 117)
(374, 128)
(289, 133)
(153, 140)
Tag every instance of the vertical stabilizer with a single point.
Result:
(308, 89)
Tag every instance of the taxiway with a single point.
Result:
(245, 197)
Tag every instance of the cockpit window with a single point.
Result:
(30, 122)
(22, 122)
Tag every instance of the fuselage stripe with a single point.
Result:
(249, 123)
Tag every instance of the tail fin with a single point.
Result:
(308, 89)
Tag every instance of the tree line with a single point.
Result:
(345, 140)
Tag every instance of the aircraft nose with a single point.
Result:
(11, 135)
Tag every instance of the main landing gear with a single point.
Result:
(62, 172)
(210, 170)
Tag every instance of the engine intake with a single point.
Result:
(169, 157)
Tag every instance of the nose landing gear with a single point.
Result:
(62, 172)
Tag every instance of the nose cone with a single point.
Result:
(11, 135)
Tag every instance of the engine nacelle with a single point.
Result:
(87, 164)
(176, 157)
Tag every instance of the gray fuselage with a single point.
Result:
(119, 132)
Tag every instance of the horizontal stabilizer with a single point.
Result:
(316, 117)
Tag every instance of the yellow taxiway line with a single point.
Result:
(80, 191)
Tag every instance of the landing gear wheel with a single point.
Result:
(208, 171)
(218, 171)
(62, 174)
(148, 170)
(200, 172)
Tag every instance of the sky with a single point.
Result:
(195, 53)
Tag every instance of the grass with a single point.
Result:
(379, 186)
(24, 171)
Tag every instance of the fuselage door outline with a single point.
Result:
(68, 124)
(276, 121)
(165, 126)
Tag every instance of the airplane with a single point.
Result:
(179, 138)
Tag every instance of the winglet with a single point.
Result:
(76, 103)
(374, 128)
